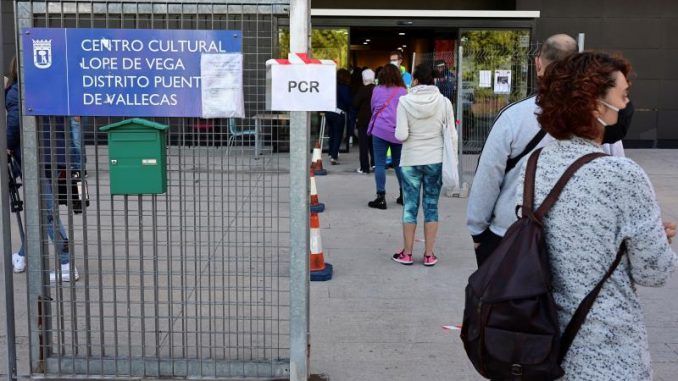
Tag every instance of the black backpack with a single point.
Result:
(510, 328)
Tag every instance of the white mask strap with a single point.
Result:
(608, 105)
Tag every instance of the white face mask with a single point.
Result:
(613, 108)
(395, 63)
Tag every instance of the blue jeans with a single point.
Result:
(77, 154)
(380, 147)
(335, 125)
(430, 178)
(51, 221)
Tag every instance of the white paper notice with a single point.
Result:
(502, 81)
(485, 79)
(222, 86)
(300, 87)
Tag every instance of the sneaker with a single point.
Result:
(430, 260)
(366, 172)
(405, 259)
(333, 161)
(18, 263)
(399, 200)
(65, 274)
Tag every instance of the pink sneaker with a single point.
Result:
(405, 259)
(430, 260)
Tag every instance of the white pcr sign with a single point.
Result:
(301, 84)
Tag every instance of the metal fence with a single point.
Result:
(479, 102)
(191, 283)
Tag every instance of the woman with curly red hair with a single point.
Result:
(607, 202)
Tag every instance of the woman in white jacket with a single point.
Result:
(421, 117)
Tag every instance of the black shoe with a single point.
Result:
(399, 200)
(379, 202)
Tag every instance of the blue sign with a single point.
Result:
(132, 72)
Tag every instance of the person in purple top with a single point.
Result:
(382, 129)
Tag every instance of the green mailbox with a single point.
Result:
(137, 157)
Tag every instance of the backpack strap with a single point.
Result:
(512, 162)
(528, 186)
(560, 185)
(582, 311)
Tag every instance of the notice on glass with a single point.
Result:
(502, 81)
(485, 79)
(222, 87)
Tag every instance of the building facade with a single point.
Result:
(361, 34)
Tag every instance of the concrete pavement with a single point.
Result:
(378, 320)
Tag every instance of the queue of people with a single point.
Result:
(397, 113)
(582, 106)
(582, 102)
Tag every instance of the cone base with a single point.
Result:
(322, 275)
(320, 172)
(318, 208)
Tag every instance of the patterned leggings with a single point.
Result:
(413, 177)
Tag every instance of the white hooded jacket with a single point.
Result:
(421, 117)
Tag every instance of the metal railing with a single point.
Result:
(479, 102)
(191, 283)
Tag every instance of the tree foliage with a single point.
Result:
(329, 44)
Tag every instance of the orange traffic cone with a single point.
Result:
(316, 205)
(317, 161)
(320, 271)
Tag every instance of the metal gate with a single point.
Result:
(479, 103)
(191, 283)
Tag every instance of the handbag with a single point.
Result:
(374, 117)
(79, 195)
(450, 149)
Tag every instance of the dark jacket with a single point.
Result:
(13, 126)
(343, 97)
(361, 102)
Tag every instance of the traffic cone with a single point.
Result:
(317, 161)
(320, 271)
(316, 205)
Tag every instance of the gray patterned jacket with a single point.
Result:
(607, 201)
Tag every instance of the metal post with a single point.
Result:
(38, 283)
(6, 240)
(580, 41)
(300, 23)
(414, 62)
(460, 112)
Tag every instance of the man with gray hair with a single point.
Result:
(514, 135)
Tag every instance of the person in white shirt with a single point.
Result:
(421, 117)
